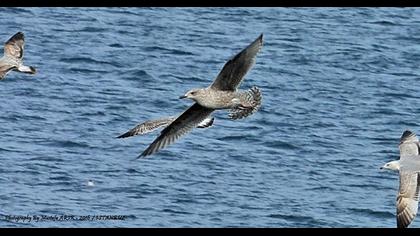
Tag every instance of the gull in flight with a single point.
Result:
(223, 93)
(13, 56)
(409, 169)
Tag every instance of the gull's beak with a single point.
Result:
(182, 97)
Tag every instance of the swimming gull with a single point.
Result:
(90, 183)
(409, 169)
(151, 125)
(221, 94)
(13, 56)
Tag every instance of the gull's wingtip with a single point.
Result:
(18, 35)
(143, 155)
(259, 40)
(139, 157)
(124, 135)
(407, 132)
(32, 70)
(407, 135)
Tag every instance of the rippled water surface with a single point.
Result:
(339, 85)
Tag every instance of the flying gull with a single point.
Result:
(409, 169)
(221, 94)
(151, 125)
(13, 56)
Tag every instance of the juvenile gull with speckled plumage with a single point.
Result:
(409, 169)
(221, 94)
(13, 56)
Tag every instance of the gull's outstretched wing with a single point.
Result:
(236, 68)
(4, 69)
(408, 198)
(14, 46)
(409, 144)
(152, 125)
(182, 125)
(147, 127)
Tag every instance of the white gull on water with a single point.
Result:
(13, 56)
(221, 94)
(409, 169)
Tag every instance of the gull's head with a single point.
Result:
(392, 165)
(194, 94)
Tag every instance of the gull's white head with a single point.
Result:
(392, 165)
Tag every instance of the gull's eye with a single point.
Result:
(192, 93)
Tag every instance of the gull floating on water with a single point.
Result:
(151, 125)
(221, 94)
(90, 183)
(13, 56)
(409, 169)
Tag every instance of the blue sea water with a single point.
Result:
(339, 88)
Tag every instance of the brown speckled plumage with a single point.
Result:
(13, 56)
